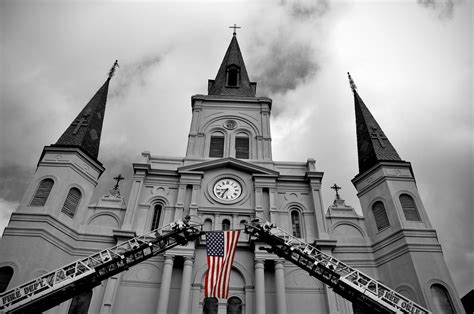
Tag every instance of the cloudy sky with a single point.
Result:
(411, 60)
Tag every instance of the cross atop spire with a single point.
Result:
(351, 83)
(235, 27)
(112, 69)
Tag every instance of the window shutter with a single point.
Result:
(295, 222)
(41, 195)
(380, 215)
(242, 147)
(72, 201)
(156, 216)
(409, 208)
(217, 146)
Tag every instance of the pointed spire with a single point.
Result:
(232, 78)
(372, 144)
(85, 130)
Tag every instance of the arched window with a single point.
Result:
(233, 76)
(225, 224)
(409, 208)
(442, 301)
(42, 193)
(80, 303)
(296, 223)
(207, 225)
(234, 306)
(210, 306)
(6, 274)
(242, 146)
(216, 148)
(380, 215)
(72, 201)
(155, 222)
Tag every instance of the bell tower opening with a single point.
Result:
(233, 72)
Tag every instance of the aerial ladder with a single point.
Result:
(346, 281)
(57, 286)
(53, 288)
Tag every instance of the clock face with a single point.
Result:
(227, 189)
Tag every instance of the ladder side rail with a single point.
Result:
(82, 268)
(350, 276)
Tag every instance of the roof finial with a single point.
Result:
(235, 28)
(112, 69)
(116, 190)
(351, 82)
(336, 188)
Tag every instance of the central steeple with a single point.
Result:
(232, 78)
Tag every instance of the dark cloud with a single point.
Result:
(308, 9)
(134, 73)
(290, 65)
(14, 181)
(444, 8)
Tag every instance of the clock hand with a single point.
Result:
(222, 194)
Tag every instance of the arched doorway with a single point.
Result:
(234, 306)
(210, 306)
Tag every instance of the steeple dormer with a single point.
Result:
(232, 78)
(372, 144)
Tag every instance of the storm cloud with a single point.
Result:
(443, 8)
(290, 65)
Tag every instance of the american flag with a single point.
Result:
(220, 255)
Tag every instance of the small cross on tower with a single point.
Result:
(376, 134)
(80, 122)
(113, 68)
(116, 186)
(235, 28)
(336, 188)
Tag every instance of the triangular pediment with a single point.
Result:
(229, 162)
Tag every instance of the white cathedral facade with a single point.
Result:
(229, 146)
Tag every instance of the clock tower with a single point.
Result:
(228, 177)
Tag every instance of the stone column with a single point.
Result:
(259, 287)
(280, 287)
(185, 286)
(165, 285)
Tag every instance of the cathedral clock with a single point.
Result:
(227, 189)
